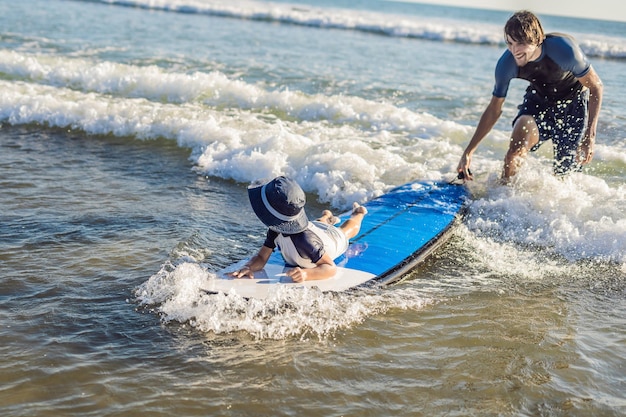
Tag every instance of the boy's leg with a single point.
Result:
(352, 226)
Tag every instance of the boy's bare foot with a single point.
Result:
(328, 217)
(358, 209)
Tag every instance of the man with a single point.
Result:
(562, 102)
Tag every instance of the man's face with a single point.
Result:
(523, 52)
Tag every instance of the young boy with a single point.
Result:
(311, 247)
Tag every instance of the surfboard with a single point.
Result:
(401, 228)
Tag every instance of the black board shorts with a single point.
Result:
(563, 121)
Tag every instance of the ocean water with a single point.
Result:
(129, 131)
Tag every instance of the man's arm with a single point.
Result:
(592, 81)
(487, 122)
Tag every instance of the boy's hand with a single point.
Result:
(244, 272)
(297, 274)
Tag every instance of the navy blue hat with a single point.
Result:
(279, 204)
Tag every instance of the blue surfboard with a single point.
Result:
(401, 228)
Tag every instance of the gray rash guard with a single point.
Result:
(552, 76)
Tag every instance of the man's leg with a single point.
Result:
(568, 139)
(525, 135)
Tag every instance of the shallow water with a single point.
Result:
(449, 340)
(124, 159)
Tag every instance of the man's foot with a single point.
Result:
(503, 181)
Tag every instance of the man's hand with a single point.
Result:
(585, 150)
(464, 167)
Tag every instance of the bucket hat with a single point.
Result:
(279, 204)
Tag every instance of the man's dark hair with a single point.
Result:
(524, 27)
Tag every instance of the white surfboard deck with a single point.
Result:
(273, 275)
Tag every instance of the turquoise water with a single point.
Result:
(129, 132)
